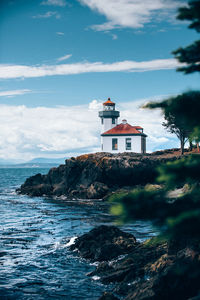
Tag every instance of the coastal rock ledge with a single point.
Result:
(152, 270)
(94, 176)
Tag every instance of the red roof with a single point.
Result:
(108, 102)
(123, 129)
(138, 127)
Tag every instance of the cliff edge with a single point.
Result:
(94, 176)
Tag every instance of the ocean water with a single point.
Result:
(35, 261)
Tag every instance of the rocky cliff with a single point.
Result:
(93, 176)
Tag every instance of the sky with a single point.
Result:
(60, 59)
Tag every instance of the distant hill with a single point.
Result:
(8, 162)
(39, 162)
(44, 160)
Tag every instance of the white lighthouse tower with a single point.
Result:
(109, 116)
(118, 138)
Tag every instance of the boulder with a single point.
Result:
(104, 243)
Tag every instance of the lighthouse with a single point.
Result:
(109, 116)
(117, 138)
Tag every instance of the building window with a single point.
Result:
(114, 144)
(113, 120)
(102, 147)
(128, 144)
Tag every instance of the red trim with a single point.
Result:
(123, 129)
(109, 102)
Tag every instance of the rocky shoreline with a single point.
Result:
(141, 271)
(95, 176)
(152, 270)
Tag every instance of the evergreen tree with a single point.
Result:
(181, 115)
(190, 54)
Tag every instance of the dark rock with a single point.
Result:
(108, 296)
(176, 277)
(178, 281)
(141, 291)
(104, 243)
(97, 190)
(131, 267)
(102, 269)
(93, 176)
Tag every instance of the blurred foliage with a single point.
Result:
(191, 13)
(177, 214)
(185, 107)
(190, 54)
(140, 204)
(185, 225)
(176, 174)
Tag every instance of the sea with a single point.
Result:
(35, 234)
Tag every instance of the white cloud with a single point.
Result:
(131, 13)
(63, 131)
(114, 37)
(95, 105)
(22, 71)
(14, 93)
(47, 15)
(28, 132)
(60, 3)
(64, 57)
(60, 33)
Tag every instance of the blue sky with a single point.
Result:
(69, 54)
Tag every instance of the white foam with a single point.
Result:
(96, 263)
(57, 245)
(71, 241)
(95, 277)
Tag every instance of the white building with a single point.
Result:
(119, 137)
